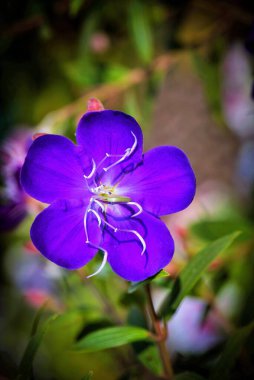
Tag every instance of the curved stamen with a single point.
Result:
(140, 209)
(115, 229)
(101, 205)
(90, 243)
(85, 221)
(127, 153)
(96, 214)
(134, 144)
(140, 238)
(104, 261)
(92, 171)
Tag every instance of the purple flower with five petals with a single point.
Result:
(106, 195)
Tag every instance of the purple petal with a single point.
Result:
(125, 248)
(12, 214)
(192, 329)
(164, 183)
(52, 170)
(58, 233)
(110, 132)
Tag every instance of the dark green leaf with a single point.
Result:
(230, 352)
(111, 337)
(75, 6)
(38, 318)
(189, 376)
(212, 229)
(140, 30)
(193, 271)
(89, 376)
(210, 75)
(26, 363)
(150, 358)
(136, 285)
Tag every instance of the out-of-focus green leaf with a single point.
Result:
(89, 376)
(115, 73)
(26, 363)
(38, 318)
(136, 285)
(150, 359)
(193, 271)
(210, 75)
(111, 337)
(213, 229)
(230, 353)
(140, 30)
(189, 376)
(75, 6)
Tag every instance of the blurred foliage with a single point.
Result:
(54, 55)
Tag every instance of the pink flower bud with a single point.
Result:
(94, 104)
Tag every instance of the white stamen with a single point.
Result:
(140, 209)
(104, 261)
(140, 238)
(134, 144)
(127, 153)
(90, 243)
(85, 221)
(93, 170)
(115, 229)
(96, 214)
(101, 205)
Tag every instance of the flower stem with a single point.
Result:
(161, 335)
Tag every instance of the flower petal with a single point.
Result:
(11, 214)
(110, 132)
(163, 183)
(52, 170)
(125, 248)
(58, 233)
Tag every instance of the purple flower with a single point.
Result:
(34, 277)
(191, 331)
(13, 206)
(106, 195)
(237, 104)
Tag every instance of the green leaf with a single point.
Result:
(209, 73)
(89, 376)
(210, 230)
(38, 318)
(230, 353)
(75, 6)
(25, 367)
(140, 30)
(189, 376)
(136, 285)
(150, 358)
(111, 337)
(192, 273)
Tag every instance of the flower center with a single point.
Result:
(102, 195)
(108, 194)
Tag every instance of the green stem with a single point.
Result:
(161, 333)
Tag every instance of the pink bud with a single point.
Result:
(36, 135)
(94, 104)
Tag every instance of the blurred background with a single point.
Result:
(184, 70)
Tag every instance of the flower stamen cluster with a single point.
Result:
(103, 195)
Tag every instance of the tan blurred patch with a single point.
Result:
(182, 118)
